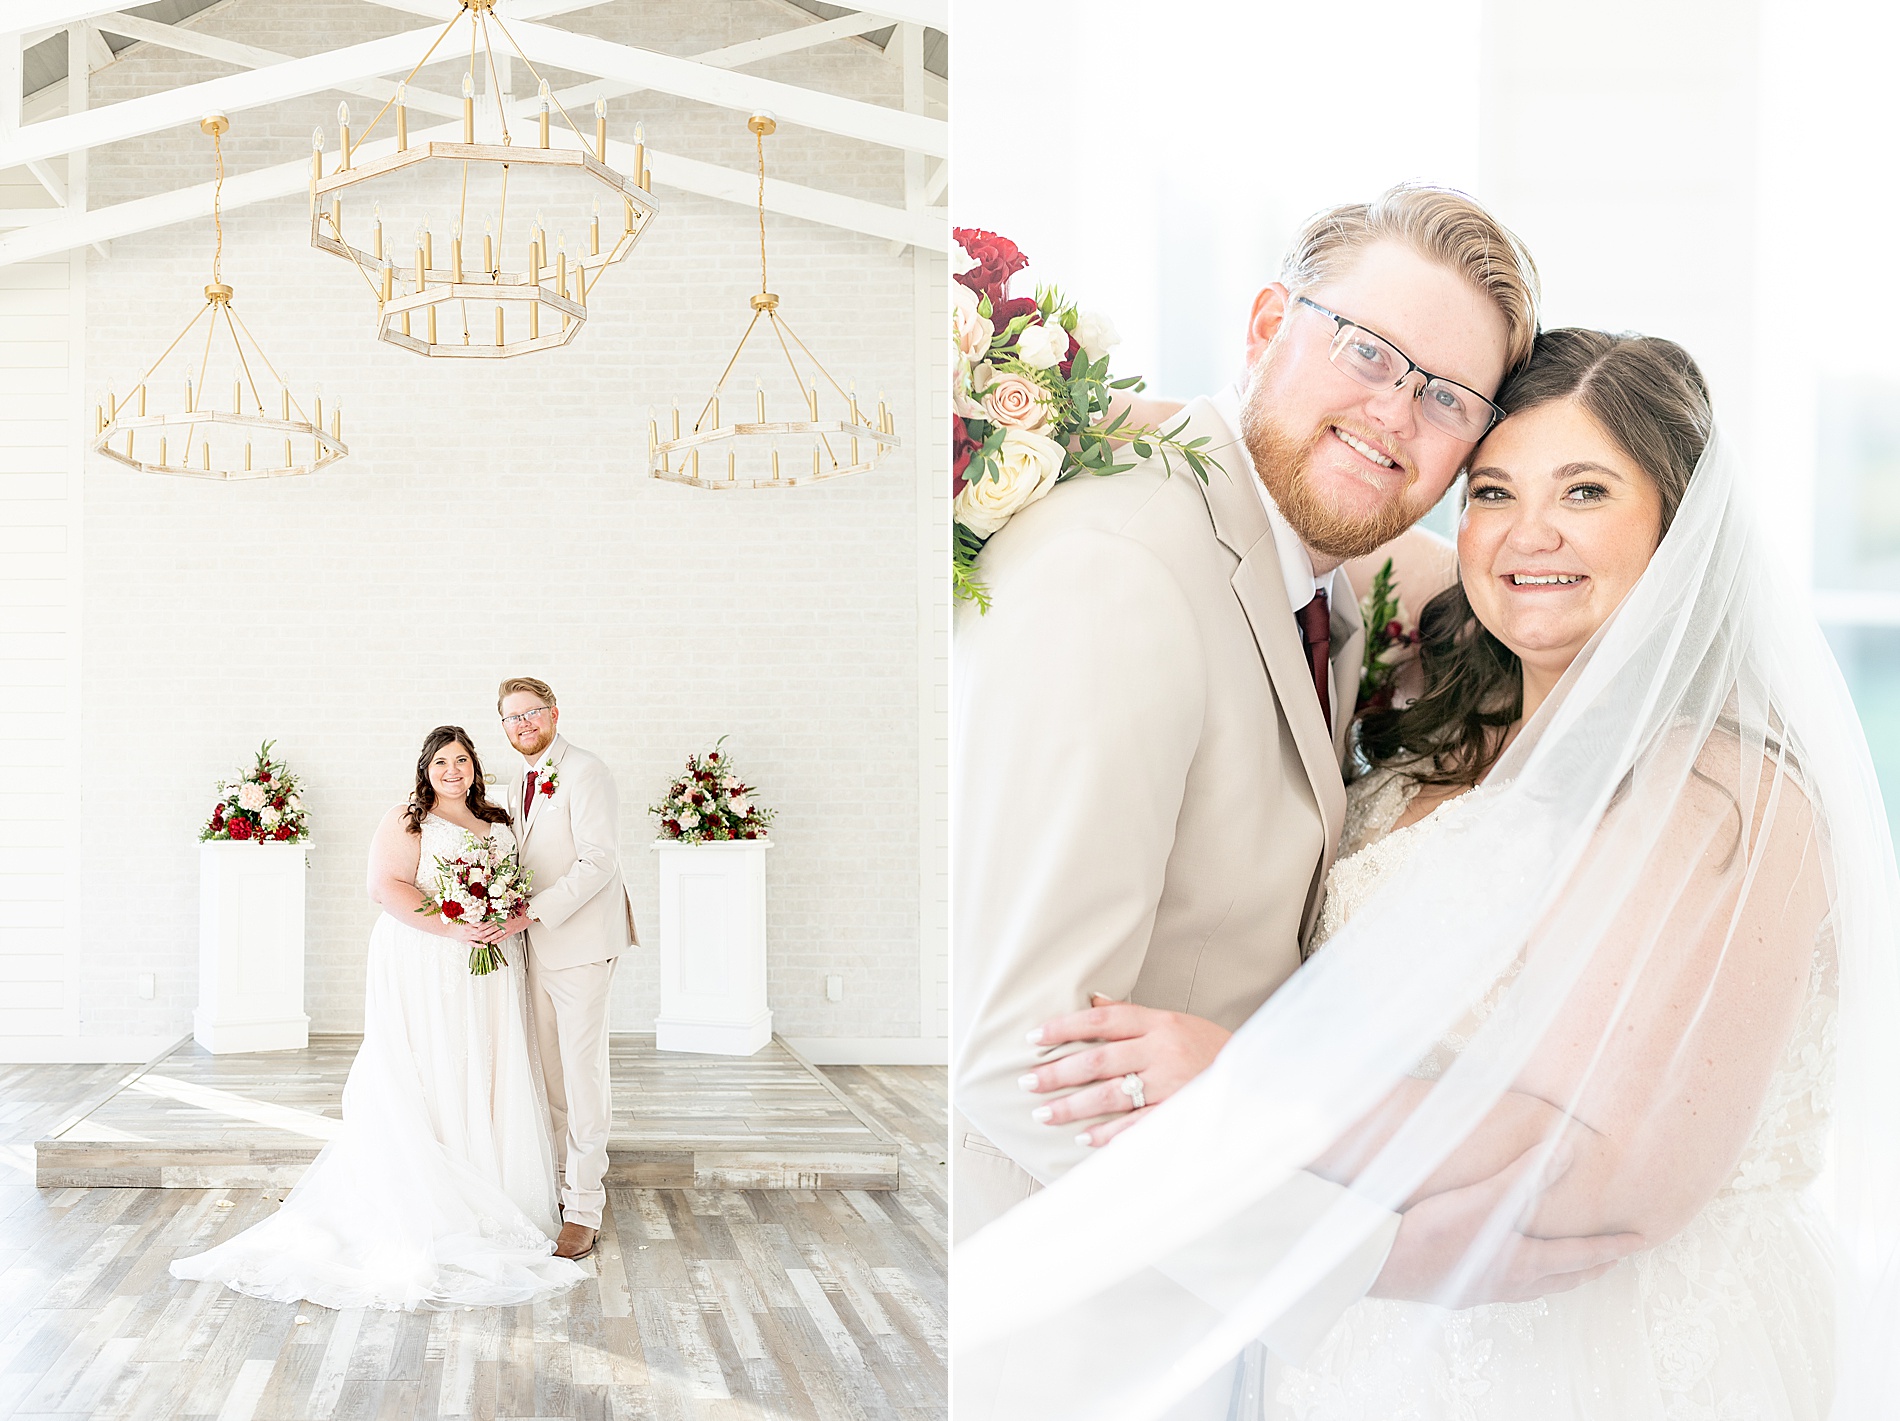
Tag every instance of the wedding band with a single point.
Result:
(1131, 1087)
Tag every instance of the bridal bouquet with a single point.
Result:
(710, 804)
(261, 804)
(479, 885)
(1029, 389)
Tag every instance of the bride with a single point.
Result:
(439, 1191)
(1615, 912)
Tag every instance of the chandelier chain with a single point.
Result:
(217, 209)
(764, 286)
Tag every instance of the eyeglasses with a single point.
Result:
(511, 721)
(1378, 364)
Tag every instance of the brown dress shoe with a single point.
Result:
(576, 1241)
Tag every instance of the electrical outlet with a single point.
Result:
(148, 986)
(834, 989)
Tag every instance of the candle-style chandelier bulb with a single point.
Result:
(468, 86)
(545, 98)
(343, 115)
(316, 138)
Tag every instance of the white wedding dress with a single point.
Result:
(1730, 1320)
(439, 1192)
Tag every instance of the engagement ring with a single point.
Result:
(1131, 1087)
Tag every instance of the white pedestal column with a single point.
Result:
(250, 947)
(712, 948)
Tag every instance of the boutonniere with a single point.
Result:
(549, 780)
(1389, 642)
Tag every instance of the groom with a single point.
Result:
(1151, 717)
(579, 920)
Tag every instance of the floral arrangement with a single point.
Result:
(261, 804)
(710, 804)
(1389, 642)
(479, 885)
(1030, 383)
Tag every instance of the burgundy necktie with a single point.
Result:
(527, 797)
(1316, 635)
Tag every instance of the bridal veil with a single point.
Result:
(1682, 852)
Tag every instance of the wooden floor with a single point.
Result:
(192, 1120)
(729, 1305)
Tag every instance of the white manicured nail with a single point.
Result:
(1042, 1113)
(1035, 1037)
(1027, 1082)
(1084, 1140)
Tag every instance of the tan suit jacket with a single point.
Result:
(581, 909)
(1146, 798)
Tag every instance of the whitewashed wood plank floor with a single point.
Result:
(726, 1305)
(193, 1120)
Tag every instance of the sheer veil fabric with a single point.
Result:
(1603, 966)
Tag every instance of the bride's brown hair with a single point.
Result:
(423, 800)
(1650, 398)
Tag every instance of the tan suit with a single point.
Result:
(582, 920)
(1146, 797)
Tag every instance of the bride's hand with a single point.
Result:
(1167, 1049)
(471, 933)
(1429, 1258)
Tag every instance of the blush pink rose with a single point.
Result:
(1016, 402)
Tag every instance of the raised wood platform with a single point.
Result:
(191, 1120)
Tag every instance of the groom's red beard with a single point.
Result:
(1284, 465)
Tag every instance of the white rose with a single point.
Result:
(251, 796)
(1096, 334)
(741, 805)
(1025, 471)
(1040, 347)
(970, 330)
(269, 817)
(688, 818)
(967, 391)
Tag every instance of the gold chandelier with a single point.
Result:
(435, 298)
(817, 444)
(206, 440)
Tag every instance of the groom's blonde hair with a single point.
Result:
(1443, 226)
(524, 683)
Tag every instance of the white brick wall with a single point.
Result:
(493, 520)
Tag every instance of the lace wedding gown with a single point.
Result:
(1730, 1320)
(439, 1192)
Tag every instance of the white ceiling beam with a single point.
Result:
(150, 113)
(49, 180)
(249, 56)
(46, 237)
(30, 16)
(635, 67)
(851, 118)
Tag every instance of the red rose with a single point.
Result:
(240, 828)
(480, 890)
(713, 758)
(1003, 312)
(672, 825)
(547, 788)
(964, 450)
(263, 775)
(997, 259)
(282, 833)
(451, 910)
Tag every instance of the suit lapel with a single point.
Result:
(1240, 522)
(1349, 654)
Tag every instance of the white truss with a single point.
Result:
(267, 77)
